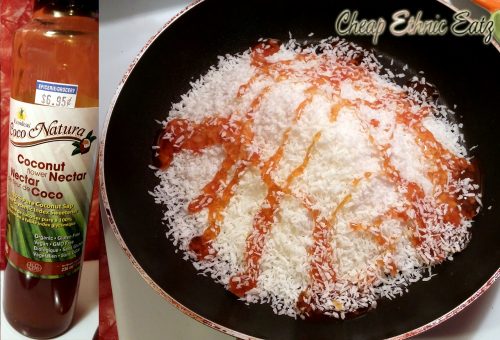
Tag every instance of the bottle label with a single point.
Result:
(52, 156)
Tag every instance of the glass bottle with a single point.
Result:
(52, 152)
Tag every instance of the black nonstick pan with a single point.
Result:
(463, 69)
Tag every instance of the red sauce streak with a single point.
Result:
(387, 247)
(264, 219)
(445, 163)
(334, 112)
(322, 272)
(235, 137)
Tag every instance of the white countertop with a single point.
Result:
(86, 317)
(139, 310)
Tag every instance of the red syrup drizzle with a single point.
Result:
(235, 137)
(264, 219)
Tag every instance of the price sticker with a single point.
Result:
(55, 94)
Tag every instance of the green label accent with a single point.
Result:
(49, 187)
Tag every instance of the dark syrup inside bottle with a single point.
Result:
(39, 308)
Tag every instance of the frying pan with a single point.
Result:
(461, 68)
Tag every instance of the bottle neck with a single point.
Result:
(59, 8)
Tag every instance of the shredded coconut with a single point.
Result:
(313, 181)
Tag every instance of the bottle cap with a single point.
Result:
(72, 7)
